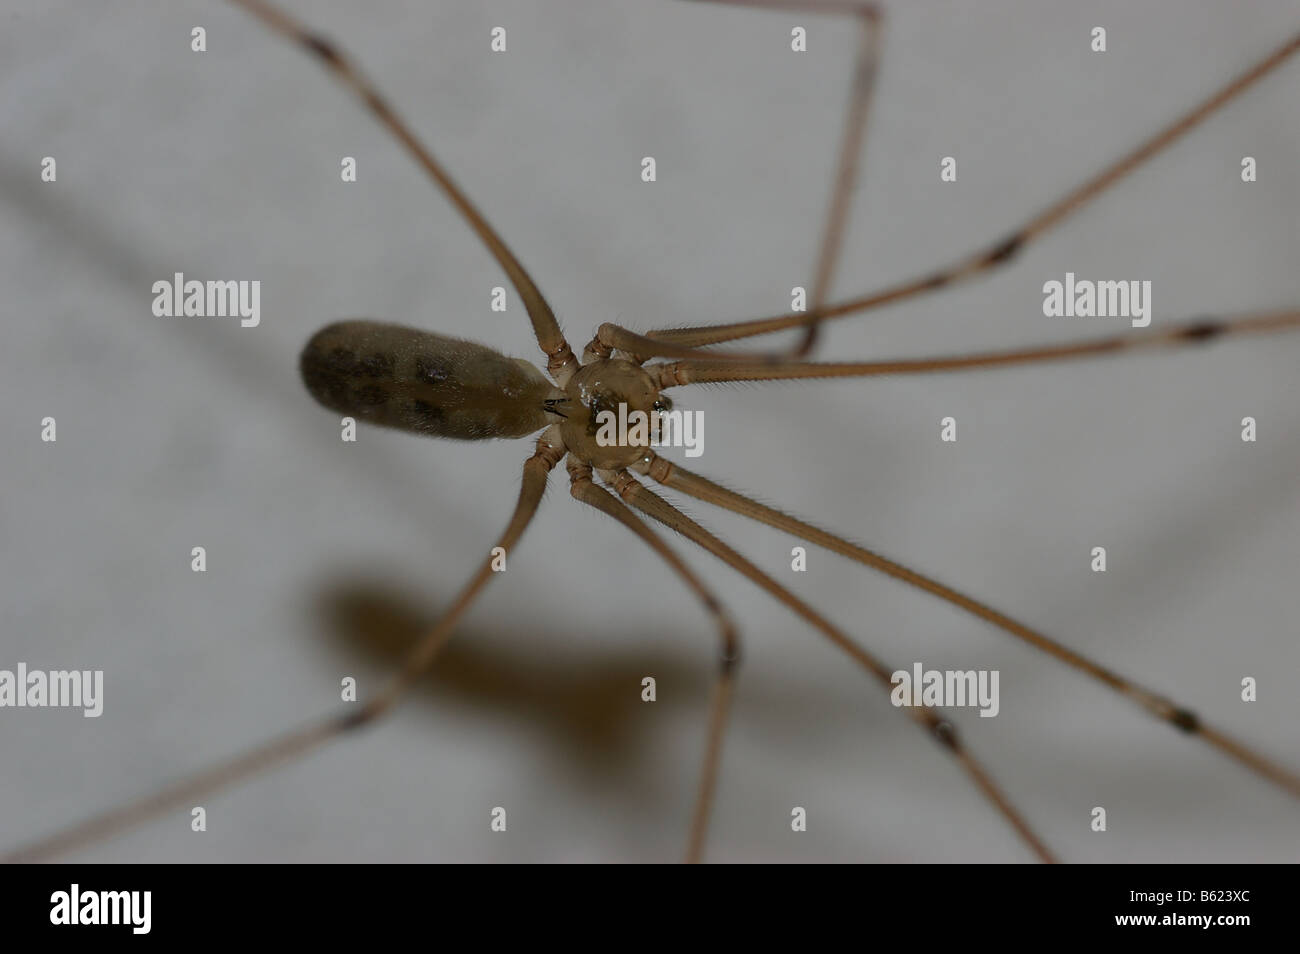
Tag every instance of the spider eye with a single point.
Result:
(663, 404)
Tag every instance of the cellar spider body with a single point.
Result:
(337, 385)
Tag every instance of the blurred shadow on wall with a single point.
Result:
(588, 707)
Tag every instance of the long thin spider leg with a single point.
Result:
(700, 371)
(299, 742)
(1002, 251)
(855, 123)
(678, 478)
(583, 489)
(560, 360)
(650, 503)
(613, 337)
(610, 337)
(846, 173)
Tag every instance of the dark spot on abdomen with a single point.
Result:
(340, 361)
(376, 365)
(321, 374)
(348, 364)
(431, 370)
(426, 414)
(371, 395)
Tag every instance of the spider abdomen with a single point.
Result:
(422, 382)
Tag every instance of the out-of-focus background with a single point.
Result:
(325, 557)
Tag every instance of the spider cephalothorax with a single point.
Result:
(610, 391)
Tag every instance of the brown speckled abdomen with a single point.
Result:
(418, 381)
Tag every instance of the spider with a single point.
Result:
(639, 369)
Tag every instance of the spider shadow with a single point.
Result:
(587, 708)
